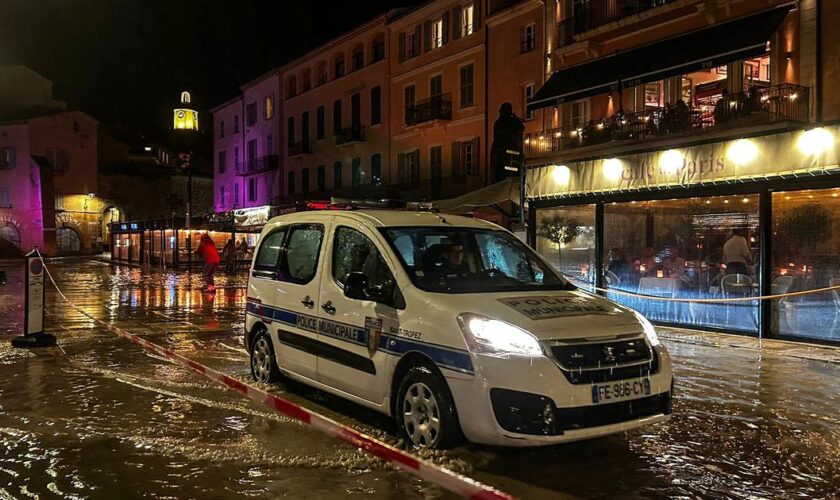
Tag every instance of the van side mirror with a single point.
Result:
(356, 286)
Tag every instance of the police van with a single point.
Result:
(450, 325)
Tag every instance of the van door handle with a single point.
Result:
(309, 303)
(328, 307)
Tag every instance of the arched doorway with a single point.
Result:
(10, 234)
(68, 240)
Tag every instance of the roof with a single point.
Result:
(387, 218)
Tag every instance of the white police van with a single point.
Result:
(452, 326)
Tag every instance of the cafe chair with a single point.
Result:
(738, 285)
(611, 278)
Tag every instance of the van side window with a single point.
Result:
(268, 257)
(302, 252)
(355, 252)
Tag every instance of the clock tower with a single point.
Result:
(184, 118)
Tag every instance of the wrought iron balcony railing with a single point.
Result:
(437, 107)
(257, 165)
(776, 103)
(354, 133)
(590, 14)
(300, 148)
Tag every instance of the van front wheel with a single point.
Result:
(263, 363)
(425, 413)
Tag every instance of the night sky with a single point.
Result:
(126, 61)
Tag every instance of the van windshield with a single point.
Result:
(464, 260)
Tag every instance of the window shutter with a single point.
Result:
(445, 23)
(456, 23)
(415, 174)
(415, 45)
(401, 44)
(427, 36)
(456, 159)
(476, 16)
(476, 156)
(401, 167)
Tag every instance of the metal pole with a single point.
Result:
(189, 212)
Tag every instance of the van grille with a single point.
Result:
(587, 363)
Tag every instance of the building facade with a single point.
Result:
(688, 151)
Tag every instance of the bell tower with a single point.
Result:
(183, 117)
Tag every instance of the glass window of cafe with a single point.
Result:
(805, 242)
(700, 247)
(566, 238)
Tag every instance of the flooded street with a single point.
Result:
(99, 417)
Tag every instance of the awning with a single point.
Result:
(494, 194)
(707, 48)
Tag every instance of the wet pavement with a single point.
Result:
(99, 417)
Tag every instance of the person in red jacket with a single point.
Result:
(207, 250)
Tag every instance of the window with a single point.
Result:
(467, 85)
(59, 200)
(302, 252)
(468, 20)
(357, 58)
(356, 171)
(337, 175)
(376, 168)
(304, 181)
(468, 156)
(321, 178)
(319, 123)
(236, 195)
(339, 66)
(235, 124)
(577, 114)
(529, 38)
(269, 107)
(436, 164)
(436, 86)
(291, 87)
(353, 252)
(375, 105)
(252, 189)
(304, 128)
(252, 153)
(251, 114)
(337, 117)
(269, 144)
(529, 94)
(465, 158)
(378, 49)
(290, 130)
(7, 158)
(271, 248)
(408, 101)
(290, 183)
(306, 79)
(222, 162)
(236, 157)
(408, 167)
(221, 196)
(222, 129)
(437, 33)
(411, 45)
(322, 73)
(59, 159)
(5, 198)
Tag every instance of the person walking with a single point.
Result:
(230, 256)
(207, 250)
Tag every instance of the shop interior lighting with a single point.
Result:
(612, 168)
(671, 161)
(742, 151)
(815, 141)
(561, 174)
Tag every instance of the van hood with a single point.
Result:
(551, 315)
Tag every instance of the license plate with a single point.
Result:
(620, 391)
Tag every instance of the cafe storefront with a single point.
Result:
(742, 218)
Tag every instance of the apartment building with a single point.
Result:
(335, 112)
(672, 131)
(247, 144)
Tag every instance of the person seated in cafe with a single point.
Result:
(452, 264)
(736, 253)
(722, 107)
(673, 263)
(618, 264)
(682, 117)
(647, 264)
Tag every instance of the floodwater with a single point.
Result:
(98, 417)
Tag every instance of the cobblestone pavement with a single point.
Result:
(99, 417)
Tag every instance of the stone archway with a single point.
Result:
(68, 240)
(10, 234)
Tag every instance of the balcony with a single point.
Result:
(758, 106)
(438, 107)
(257, 165)
(300, 148)
(350, 135)
(594, 13)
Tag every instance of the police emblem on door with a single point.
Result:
(373, 330)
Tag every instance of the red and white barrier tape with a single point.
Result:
(440, 476)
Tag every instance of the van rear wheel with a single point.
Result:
(263, 363)
(425, 413)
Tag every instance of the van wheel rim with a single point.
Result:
(261, 360)
(421, 415)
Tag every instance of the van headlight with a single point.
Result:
(650, 331)
(491, 336)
